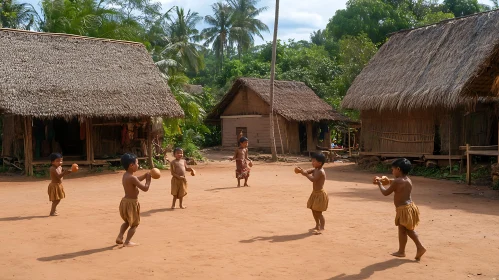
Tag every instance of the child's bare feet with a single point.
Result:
(246, 185)
(317, 232)
(183, 207)
(420, 253)
(398, 254)
(119, 240)
(130, 244)
(54, 214)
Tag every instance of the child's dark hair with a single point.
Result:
(320, 158)
(128, 159)
(404, 165)
(177, 149)
(54, 156)
(242, 140)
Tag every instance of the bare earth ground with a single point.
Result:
(261, 232)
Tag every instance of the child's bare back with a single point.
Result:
(130, 183)
(402, 191)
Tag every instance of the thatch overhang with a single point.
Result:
(444, 65)
(293, 100)
(58, 75)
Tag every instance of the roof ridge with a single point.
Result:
(70, 36)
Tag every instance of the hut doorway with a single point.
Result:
(58, 136)
(302, 130)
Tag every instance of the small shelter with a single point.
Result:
(301, 117)
(91, 99)
(430, 91)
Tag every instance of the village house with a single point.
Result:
(431, 91)
(301, 122)
(90, 99)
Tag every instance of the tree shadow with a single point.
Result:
(76, 254)
(153, 211)
(368, 271)
(10, 219)
(279, 238)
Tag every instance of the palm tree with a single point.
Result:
(245, 26)
(182, 36)
(217, 34)
(17, 16)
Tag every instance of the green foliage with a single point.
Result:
(462, 7)
(17, 15)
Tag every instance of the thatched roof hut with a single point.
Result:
(428, 90)
(440, 65)
(59, 75)
(293, 100)
(301, 116)
(78, 95)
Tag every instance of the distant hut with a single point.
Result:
(302, 118)
(91, 99)
(426, 93)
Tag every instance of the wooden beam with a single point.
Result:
(28, 146)
(468, 165)
(149, 144)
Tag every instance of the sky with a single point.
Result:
(297, 18)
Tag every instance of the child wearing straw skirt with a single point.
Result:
(318, 200)
(56, 189)
(407, 213)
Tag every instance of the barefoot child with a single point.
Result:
(178, 168)
(243, 163)
(55, 189)
(407, 217)
(129, 205)
(318, 200)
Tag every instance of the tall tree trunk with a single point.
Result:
(272, 77)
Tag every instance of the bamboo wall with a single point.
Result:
(258, 132)
(394, 132)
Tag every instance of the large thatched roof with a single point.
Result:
(292, 100)
(441, 66)
(59, 75)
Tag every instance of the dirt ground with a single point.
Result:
(260, 232)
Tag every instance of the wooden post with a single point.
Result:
(89, 141)
(349, 144)
(450, 160)
(149, 144)
(28, 146)
(468, 165)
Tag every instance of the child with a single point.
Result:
(129, 205)
(407, 217)
(318, 200)
(178, 168)
(55, 189)
(243, 163)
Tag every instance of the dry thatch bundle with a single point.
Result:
(293, 100)
(57, 75)
(441, 66)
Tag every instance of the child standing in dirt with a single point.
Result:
(178, 169)
(55, 188)
(129, 205)
(407, 217)
(243, 163)
(318, 200)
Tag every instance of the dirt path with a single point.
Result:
(261, 232)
